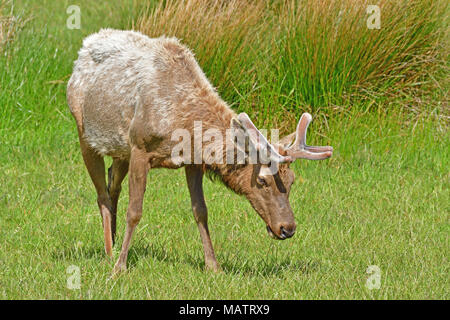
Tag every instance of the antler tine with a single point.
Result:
(300, 149)
(300, 132)
(259, 140)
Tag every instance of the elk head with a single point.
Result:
(266, 184)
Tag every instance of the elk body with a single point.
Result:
(128, 94)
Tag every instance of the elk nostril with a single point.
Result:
(283, 233)
(286, 233)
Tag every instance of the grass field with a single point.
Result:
(382, 199)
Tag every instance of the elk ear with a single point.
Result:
(236, 125)
(239, 136)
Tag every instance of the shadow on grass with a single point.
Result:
(230, 264)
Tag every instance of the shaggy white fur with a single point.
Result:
(123, 76)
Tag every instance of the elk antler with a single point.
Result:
(299, 149)
(260, 142)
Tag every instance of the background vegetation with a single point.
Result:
(380, 97)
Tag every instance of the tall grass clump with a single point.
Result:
(272, 57)
(327, 54)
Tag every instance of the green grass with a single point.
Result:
(383, 199)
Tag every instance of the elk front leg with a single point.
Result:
(138, 169)
(116, 174)
(194, 176)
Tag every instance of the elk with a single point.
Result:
(128, 94)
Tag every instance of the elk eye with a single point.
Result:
(262, 181)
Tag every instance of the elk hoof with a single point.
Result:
(214, 267)
(118, 269)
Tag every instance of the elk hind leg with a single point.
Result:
(116, 174)
(96, 168)
(137, 177)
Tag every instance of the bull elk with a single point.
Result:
(128, 94)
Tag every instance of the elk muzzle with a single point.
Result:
(282, 231)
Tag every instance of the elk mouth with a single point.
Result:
(273, 235)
